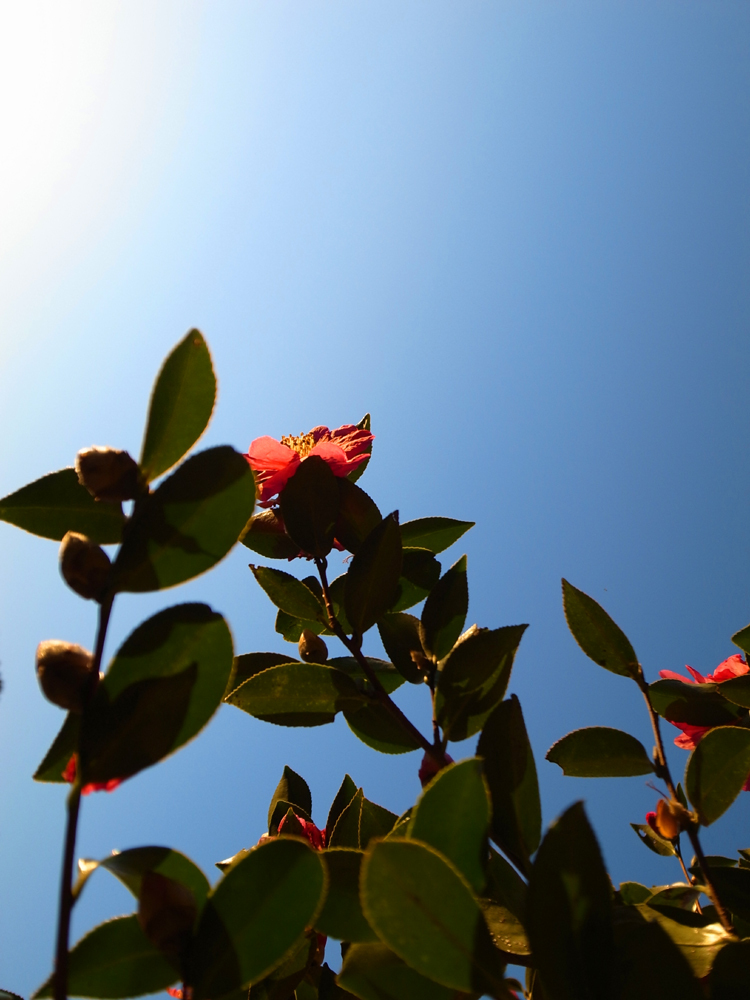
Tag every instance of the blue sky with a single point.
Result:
(517, 233)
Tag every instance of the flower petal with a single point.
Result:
(266, 454)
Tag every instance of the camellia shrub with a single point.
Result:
(434, 904)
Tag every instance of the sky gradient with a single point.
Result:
(516, 233)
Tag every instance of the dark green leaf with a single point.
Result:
(309, 505)
(115, 960)
(736, 690)
(57, 503)
(297, 694)
(376, 726)
(650, 967)
(433, 533)
(696, 704)
(444, 612)
(337, 594)
(698, 939)
(680, 895)
(511, 775)
(453, 815)
(632, 893)
(7, 995)
(181, 405)
(292, 789)
(255, 916)
(597, 635)
(292, 628)
(289, 593)
(730, 975)
(473, 678)
(354, 475)
(385, 671)
(343, 797)
(373, 972)
(717, 770)
(733, 887)
(249, 664)
(399, 634)
(569, 916)
(189, 524)
(420, 572)
(58, 756)
(265, 535)
(341, 916)
(373, 575)
(742, 639)
(505, 886)
(507, 932)
(655, 843)
(164, 684)
(359, 822)
(130, 867)
(358, 515)
(345, 831)
(374, 821)
(600, 752)
(422, 908)
(284, 980)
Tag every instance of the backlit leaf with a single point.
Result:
(373, 972)
(399, 634)
(265, 535)
(717, 770)
(600, 752)
(433, 533)
(309, 505)
(289, 593)
(444, 612)
(597, 635)
(373, 575)
(358, 515)
(342, 916)
(297, 694)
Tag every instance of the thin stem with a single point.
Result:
(355, 648)
(685, 872)
(692, 830)
(74, 802)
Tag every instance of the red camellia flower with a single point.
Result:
(69, 775)
(275, 462)
(733, 666)
(316, 837)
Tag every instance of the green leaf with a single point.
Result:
(182, 401)
(399, 634)
(285, 979)
(597, 635)
(433, 533)
(505, 886)
(507, 932)
(569, 915)
(730, 975)
(292, 628)
(115, 960)
(680, 895)
(130, 867)
(632, 893)
(655, 843)
(358, 515)
(696, 704)
(511, 775)
(736, 690)
(265, 535)
(164, 684)
(342, 916)
(359, 822)
(58, 756)
(297, 694)
(733, 887)
(444, 612)
(376, 727)
(289, 593)
(7, 995)
(354, 475)
(188, 524)
(600, 752)
(374, 821)
(423, 909)
(453, 815)
(474, 677)
(373, 972)
(420, 572)
(292, 789)
(717, 770)
(57, 503)
(255, 916)
(345, 831)
(385, 671)
(309, 505)
(699, 939)
(249, 664)
(650, 966)
(343, 797)
(742, 639)
(373, 575)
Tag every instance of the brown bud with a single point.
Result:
(108, 474)
(671, 819)
(311, 647)
(64, 671)
(421, 662)
(84, 565)
(166, 913)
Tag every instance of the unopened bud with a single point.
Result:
(311, 647)
(84, 565)
(670, 820)
(423, 665)
(430, 767)
(166, 913)
(64, 671)
(108, 474)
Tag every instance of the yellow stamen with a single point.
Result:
(303, 444)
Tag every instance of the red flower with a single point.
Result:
(69, 775)
(316, 837)
(275, 462)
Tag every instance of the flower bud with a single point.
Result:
(64, 672)
(420, 661)
(108, 474)
(311, 647)
(430, 767)
(84, 565)
(166, 913)
(669, 820)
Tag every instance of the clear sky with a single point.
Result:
(517, 233)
